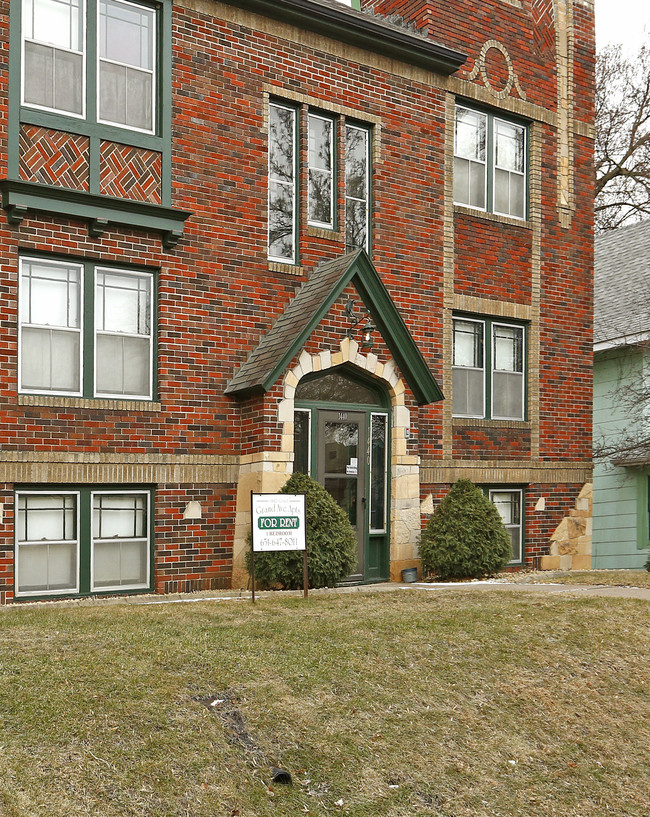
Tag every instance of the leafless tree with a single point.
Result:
(622, 138)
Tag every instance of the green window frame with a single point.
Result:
(489, 363)
(490, 162)
(74, 541)
(323, 167)
(86, 329)
(87, 48)
(509, 502)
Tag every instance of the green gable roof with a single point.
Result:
(286, 338)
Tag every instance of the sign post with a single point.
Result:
(278, 523)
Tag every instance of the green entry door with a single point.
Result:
(341, 459)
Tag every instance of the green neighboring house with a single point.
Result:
(621, 409)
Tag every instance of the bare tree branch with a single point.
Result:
(622, 156)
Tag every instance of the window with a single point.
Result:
(323, 165)
(509, 504)
(111, 79)
(357, 186)
(488, 378)
(71, 314)
(82, 541)
(489, 163)
(282, 183)
(321, 172)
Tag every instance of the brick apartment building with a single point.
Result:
(246, 237)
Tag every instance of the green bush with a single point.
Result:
(331, 543)
(465, 537)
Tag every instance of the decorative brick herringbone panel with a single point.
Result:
(544, 31)
(130, 173)
(54, 157)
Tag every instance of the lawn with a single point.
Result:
(406, 703)
(610, 578)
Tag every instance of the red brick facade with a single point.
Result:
(217, 295)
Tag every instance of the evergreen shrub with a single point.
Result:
(465, 537)
(331, 543)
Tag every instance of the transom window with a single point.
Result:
(489, 163)
(82, 541)
(110, 79)
(488, 378)
(85, 330)
(323, 165)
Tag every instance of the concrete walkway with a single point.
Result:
(565, 590)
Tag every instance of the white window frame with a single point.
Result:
(366, 131)
(90, 330)
(513, 526)
(23, 324)
(495, 167)
(325, 225)
(493, 369)
(306, 411)
(294, 187)
(491, 165)
(83, 52)
(18, 546)
(134, 274)
(153, 71)
(118, 587)
(482, 369)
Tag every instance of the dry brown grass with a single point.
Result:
(608, 578)
(381, 705)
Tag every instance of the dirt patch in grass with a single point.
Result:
(380, 704)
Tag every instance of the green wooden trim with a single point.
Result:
(160, 141)
(13, 130)
(164, 104)
(109, 133)
(643, 510)
(84, 535)
(504, 487)
(488, 322)
(363, 31)
(506, 116)
(361, 272)
(367, 410)
(94, 161)
(393, 330)
(19, 196)
(88, 328)
(88, 331)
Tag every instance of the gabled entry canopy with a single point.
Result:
(286, 338)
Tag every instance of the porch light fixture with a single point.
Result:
(355, 319)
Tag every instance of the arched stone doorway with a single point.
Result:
(342, 438)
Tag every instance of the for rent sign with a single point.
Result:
(278, 522)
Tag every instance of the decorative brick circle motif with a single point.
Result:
(480, 67)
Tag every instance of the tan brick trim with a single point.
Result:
(87, 403)
(329, 107)
(486, 306)
(480, 68)
(474, 211)
(508, 472)
(535, 214)
(321, 232)
(287, 269)
(478, 422)
(564, 61)
(448, 271)
(79, 472)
